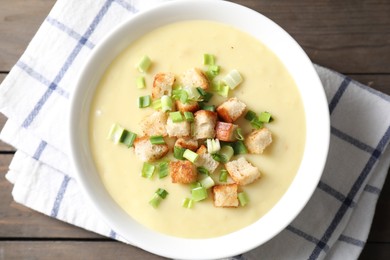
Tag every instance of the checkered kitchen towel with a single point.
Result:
(35, 96)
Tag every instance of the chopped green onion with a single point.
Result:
(189, 116)
(190, 155)
(202, 170)
(256, 123)
(140, 81)
(144, 64)
(206, 96)
(199, 193)
(188, 203)
(144, 101)
(178, 152)
(250, 115)
(176, 116)
(207, 182)
(157, 139)
(166, 103)
(116, 133)
(233, 79)
(243, 198)
(206, 107)
(148, 170)
(193, 93)
(158, 196)
(238, 134)
(220, 88)
(224, 91)
(162, 193)
(184, 97)
(227, 152)
(163, 169)
(219, 158)
(213, 145)
(201, 91)
(212, 71)
(156, 104)
(195, 185)
(223, 175)
(208, 59)
(265, 117)
(128, 138)
(239, 148)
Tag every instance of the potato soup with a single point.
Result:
(266, 86)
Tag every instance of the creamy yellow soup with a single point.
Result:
(267, 86)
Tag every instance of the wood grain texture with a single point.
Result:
(83, 250)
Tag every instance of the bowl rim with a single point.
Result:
(315, 151)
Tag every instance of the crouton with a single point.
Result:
(226, 195)
(187, 143)
(194, 78)
(182, 172)
(242, 172)
(178, 129)
(190, 106)
(206, 160)
(146, 151)
(258, 140)
(204, 124)
(162, 84)
(225, 131)
(231, 110)
(154, 124)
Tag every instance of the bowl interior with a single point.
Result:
(317, 131)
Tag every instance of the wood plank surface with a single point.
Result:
(75, 250)
(352, 37)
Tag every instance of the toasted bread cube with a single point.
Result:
(190, 106)
(204, 124)
(154, 124)
(231, 110)
(226, 195)
(182, 172)
(187, 143)
(178, 129)
(258, 140)
(162, 84)
(225, 131)
(146, 151)
(206, 160)
(242, 172)
(194, 78)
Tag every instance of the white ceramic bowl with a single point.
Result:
(317, 130)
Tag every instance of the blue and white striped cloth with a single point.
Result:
(35, 96)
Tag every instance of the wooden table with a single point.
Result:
(352, 37)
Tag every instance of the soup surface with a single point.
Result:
(267, 86)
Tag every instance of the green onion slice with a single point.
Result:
(265, 117)
(116, 132)
(178, 152)
(239, 148)
(140, 81)
(128, 138)
(208, 59)
(250, 115)
(213, 145)
(166, 103)
(148, 170)
(188, 203)
(233, 79)
(189, 116)
(163, 169)
(157, 139)
(158, 196)
(203, 106)
(190, 155)
(176, 116)
(207, 182)
(238, 134)
(195, 185)
(199, 193)
(144, 101)
(227, 152)
(202, 170)
(243, 198)
(162, 193)
(156, 104)
(144, 64)
(223, 175)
